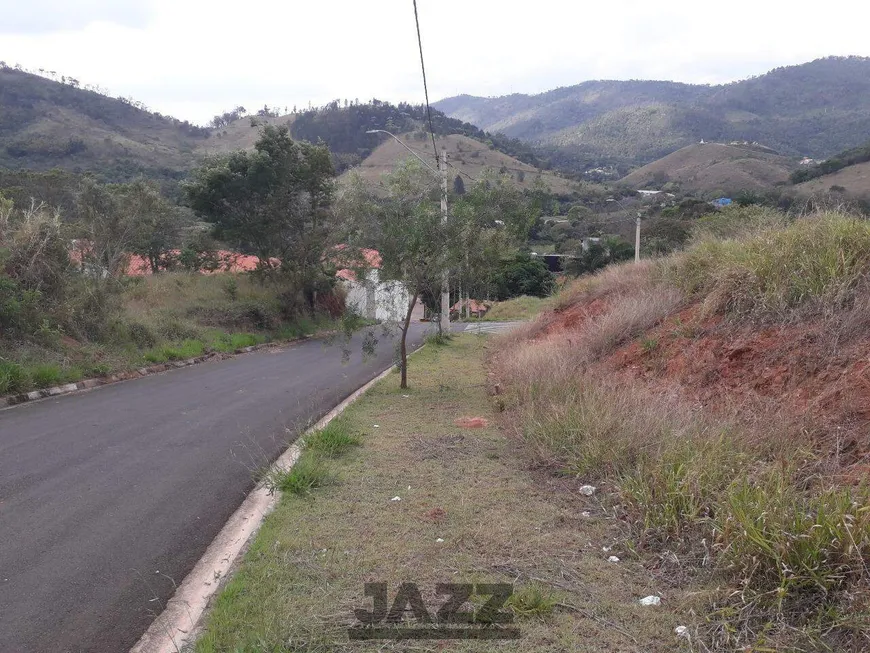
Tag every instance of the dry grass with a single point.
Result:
(747, 497)
(305, 572)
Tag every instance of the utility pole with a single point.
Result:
(637, 241)
(445, 288)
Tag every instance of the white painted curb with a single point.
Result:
(178, 625)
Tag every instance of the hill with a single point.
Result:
(46, 124)
(815, 109)
(853, 181)
(465, 155)
(714, 167)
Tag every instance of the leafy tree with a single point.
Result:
(156, 223)
(274, 202)
(523, 276)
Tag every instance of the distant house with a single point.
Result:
(372, 298)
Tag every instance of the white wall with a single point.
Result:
(387, 301)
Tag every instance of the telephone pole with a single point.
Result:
(445, 288)
(637, 241)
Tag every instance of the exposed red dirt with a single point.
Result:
(472, 422)
(792, 368)
(719, 363)
(572, 317)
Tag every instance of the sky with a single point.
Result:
(195, 58)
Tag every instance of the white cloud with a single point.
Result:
(194, 58)
(39, 16)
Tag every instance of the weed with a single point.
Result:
(333, 440)
(12, 377)
(46, 376)
(309, 473)
(649, 345)
(532, 601)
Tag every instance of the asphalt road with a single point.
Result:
(109, 497)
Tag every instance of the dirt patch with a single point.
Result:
(722, 364)
(471, 422)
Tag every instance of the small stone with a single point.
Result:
(440, 539)
(585, 513)
(587, 490)
(682, 631)
(613, 559)
(650, 600)
(396, 499)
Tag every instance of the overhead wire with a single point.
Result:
(425, 84)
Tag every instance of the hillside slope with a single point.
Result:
(46, 124)
(854, 179)
(814, 109)
(466, 156)
(709, 167)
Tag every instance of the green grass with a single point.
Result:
(182, 351)
(309, 473)
(333, 440)
(533, 601)
(516, 309)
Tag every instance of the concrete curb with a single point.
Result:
(179, 624)
(89, 384)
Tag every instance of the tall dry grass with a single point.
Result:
(752, 497)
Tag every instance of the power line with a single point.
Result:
(425, 85)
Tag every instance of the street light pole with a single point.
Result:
(445, 288)
(442, 173)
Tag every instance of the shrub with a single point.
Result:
(523, 276)
(12, 377)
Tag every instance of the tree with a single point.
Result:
(401, 218)
(156, 223)
(274, 202)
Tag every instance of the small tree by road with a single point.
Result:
(401, 218)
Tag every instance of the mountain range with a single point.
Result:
(815, 109)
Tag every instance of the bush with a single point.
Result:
(524, 276)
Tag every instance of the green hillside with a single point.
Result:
(815, 109)
(46, 124)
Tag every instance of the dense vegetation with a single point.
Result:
(832, 165)
(343, 129)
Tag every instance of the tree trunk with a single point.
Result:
(403, 347)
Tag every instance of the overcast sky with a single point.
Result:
(194, 58)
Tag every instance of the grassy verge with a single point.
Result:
(518, 308)
(469, 510)
(156, 319)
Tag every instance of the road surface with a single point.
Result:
(108, 498)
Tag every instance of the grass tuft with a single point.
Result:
(532, 601)
(309, 473)
(333, 440)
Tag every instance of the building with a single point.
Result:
(372, 298)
